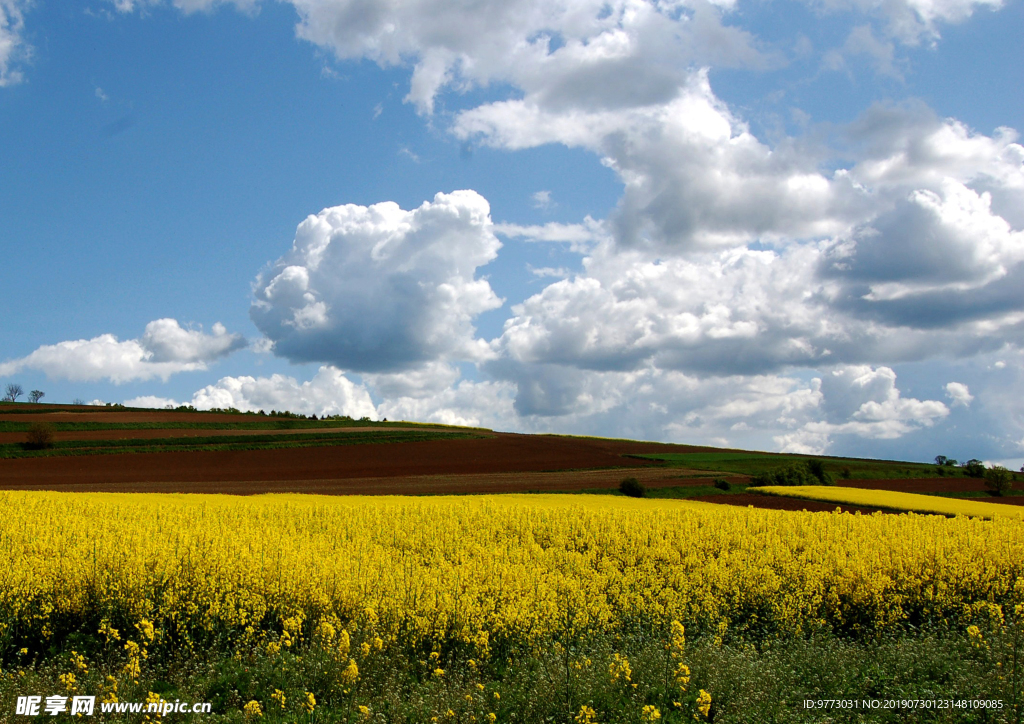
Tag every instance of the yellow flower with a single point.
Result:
(650, 713)
(682, 675)
(439, 673)
(364, 711)
(310, 703)
(279, 697)
(586, 715)
(704, 702)
(68, 680)
(619, 668)
(351, 673)
(252, 710)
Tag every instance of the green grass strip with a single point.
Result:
(225, 442)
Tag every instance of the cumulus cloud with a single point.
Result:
(164, 349)
(570, 51)
(329, 392)
(695, 177)
(381, 289)
(959, 393)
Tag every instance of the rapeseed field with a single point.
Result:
(896, 500)
(467, 597)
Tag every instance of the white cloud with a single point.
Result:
(187, 6)
(12, 45)
(913, 21)
(959, 393)
(542, 200)
(151, 402)
(381, 289)
(163, 350)
(329, 392)
(865, 401)
(426, 380)
(572, 51)
(694, 175)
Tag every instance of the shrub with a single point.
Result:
(817, 469)
(974, 468)
(40, 437)
(632, 488)
(999, 480)
(810, 473)
(722, 484)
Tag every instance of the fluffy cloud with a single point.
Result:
(329, 392)
(380, 289)
(694, 175)
(570, 51)
(959, 393)
(164, 349)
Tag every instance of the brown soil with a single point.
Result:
(337, 469)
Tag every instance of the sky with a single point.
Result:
(787, 225)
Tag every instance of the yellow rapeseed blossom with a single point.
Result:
(364, 711)
(650, 713)
(191, 569)
(68, 680)
(351, 673)
(704, 702)
(310, 703)
(252, 710)
(619, 668)
(279, 697)
(586, 715)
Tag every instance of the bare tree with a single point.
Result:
(36, 395)
(14, 391)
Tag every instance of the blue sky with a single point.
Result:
(778, 225)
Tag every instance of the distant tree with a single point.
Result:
(633, 488)
(13, 392)
(940, 460)
(78, 401)
(36, 395)
(999, 480)
(974, 468)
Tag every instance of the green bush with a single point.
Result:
(974, 468)
(999, 480)
(40, 437)
(810, 473)
(722, 484)
(632, 488)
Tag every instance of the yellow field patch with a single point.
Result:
(895, 500)
(480, 568)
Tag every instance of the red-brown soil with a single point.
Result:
(493, 463)
(348, 468)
